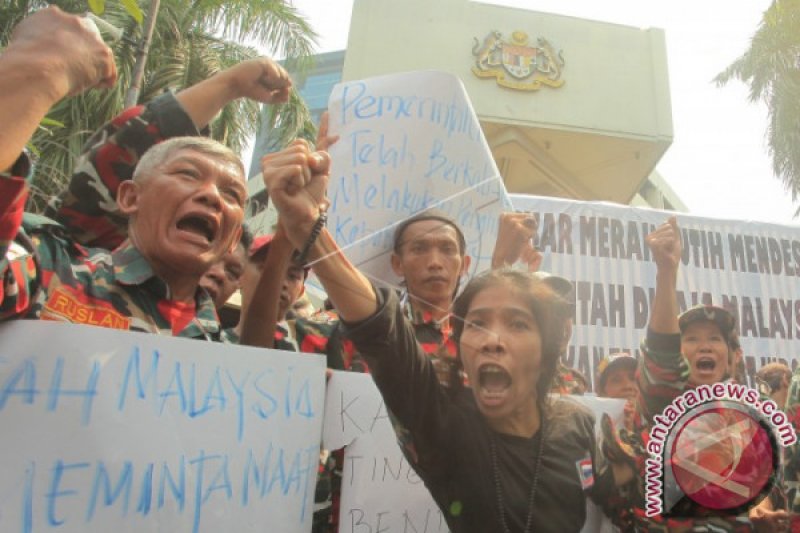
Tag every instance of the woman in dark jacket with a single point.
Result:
(497, 457)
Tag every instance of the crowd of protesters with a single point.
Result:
(149, 236)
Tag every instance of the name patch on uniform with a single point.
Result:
(67, 306)
(585, 472)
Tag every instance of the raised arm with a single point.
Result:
(88, 207)
(297, 188)
(262, 80)
(515, 241)
(665, 244)
(663, 371)
(51, 55)
(260, 311)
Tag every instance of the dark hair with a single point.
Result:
(548, 308)
(428, 214)
(773, 374)
(246, 240)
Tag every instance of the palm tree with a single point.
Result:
(193, 40)
(771, 67)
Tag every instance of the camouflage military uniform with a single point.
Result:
(436, 339)
(317, 334)
(88, 208)
(568, 381)
(662, 376)
(786, 493)
(46, 275)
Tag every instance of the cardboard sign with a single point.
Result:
(105, 430)
(409, 142)
(380, 490)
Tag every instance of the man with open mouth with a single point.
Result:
(88, 209)
(184, 206)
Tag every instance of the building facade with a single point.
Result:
(570, 107)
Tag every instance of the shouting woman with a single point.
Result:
(498, 456)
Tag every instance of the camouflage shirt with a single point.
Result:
(317, 334)
(88, 208)
(663, 375)
(435, 337)
(786, 493)
(47, 275)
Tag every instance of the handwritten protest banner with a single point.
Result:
(380, 490)
(116, 431)
(409, 142)
(751, 269)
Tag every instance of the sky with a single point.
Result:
(717, 164)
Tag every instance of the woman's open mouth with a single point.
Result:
(494, 383)
(705, 365)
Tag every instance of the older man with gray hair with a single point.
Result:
(185, 206)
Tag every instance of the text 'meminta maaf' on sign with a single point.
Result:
(116, 431)
(752, 269)
(409, 142)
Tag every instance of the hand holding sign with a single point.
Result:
(409, 142)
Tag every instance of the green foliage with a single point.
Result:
(133, 9)
(97, 6)
(193, 39)
(771, 68)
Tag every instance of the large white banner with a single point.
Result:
(409, 142)
(750, 268)
(115, 431)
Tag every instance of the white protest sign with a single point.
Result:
(409, 142)
(596, 520)
(380, 490)
(612, 407)
(751, 269)
(115, 431)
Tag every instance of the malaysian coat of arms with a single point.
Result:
(517, 65)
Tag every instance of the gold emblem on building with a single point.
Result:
(515, 64)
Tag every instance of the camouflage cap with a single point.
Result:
(609, 363)
(709, 313)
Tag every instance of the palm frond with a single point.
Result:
(771, 69)
(193, 39)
